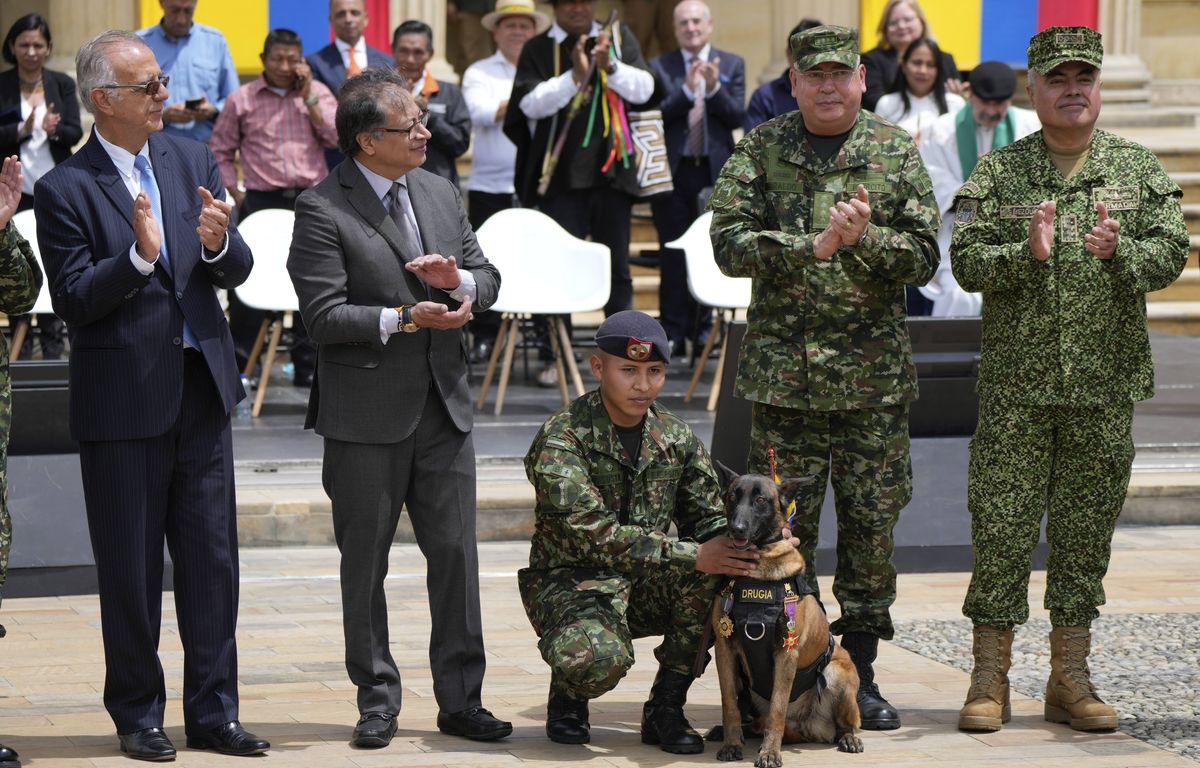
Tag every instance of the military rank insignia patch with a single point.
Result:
(965, 212)
(638, 350)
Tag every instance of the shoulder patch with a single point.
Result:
(722, 195)
(966, 212)
(970, 189)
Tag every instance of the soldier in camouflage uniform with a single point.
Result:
(612, 471)
(20, 281)
(1064, 232)
(831, 212)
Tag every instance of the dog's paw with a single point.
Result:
(729, 752)
(849, 743)
(769, 760)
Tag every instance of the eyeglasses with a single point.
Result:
(150, 87)
(422, 120)
(817, 78)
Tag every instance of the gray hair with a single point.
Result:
(92, 67)
(361, 103)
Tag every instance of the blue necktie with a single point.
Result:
(150, 187)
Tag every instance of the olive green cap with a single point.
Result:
(820, 44)
(1058, 45)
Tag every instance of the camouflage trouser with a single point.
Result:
(586, 620)
(865, 454)
(1070, 464)
(5, 525)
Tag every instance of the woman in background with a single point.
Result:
(39, 122)
(918, 94)
(901, 24)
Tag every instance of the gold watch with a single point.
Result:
(407, 324)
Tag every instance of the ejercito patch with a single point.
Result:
(966, 212)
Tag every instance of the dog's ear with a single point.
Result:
(725, 474)
(791, 488)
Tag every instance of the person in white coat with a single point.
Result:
(950, 148)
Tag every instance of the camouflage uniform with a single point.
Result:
(602, 569)
(20, 280)
(1065, 355)
(826, 359)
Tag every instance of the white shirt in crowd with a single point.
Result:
(922, 110)
(485, 84)
(36, 160)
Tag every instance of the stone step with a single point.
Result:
(1191, 215)
(1185, 289)
(1182, 317)
(1146, 117)
(1189, 182)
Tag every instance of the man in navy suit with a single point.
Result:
(704, 93)
(347, 55)
(135, 237)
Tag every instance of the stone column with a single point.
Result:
(433, 13)
(785, 14)
(1126, 76)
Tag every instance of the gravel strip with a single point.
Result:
(1145, 665)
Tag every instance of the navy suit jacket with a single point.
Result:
(327, 65)
(724, 111)
(126, 329)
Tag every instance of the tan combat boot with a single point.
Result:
(987, 707)
(1070, 697)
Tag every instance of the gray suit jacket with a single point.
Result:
(347, 264)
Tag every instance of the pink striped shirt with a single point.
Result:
(279, 146)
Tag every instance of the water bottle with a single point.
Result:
(242, 413)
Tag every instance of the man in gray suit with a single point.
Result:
(387, 270)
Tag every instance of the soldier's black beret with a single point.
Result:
(634, 336)
(993, 81)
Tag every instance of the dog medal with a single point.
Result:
(725, 626)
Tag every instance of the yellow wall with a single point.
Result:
(955, 24)
(244, 25)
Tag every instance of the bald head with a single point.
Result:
(693, 25)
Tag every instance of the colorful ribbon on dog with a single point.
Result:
(791, 510)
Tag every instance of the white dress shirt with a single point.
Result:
(359, 51)
(485, 84)
(922, 110)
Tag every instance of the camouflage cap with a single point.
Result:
(634, 336)
(1058, 45)
(827, 43)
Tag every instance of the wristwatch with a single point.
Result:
(407, 324)
(311, 100)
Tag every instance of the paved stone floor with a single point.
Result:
(295, 693)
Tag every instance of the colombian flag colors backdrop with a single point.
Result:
(986, 30)
(245, 24)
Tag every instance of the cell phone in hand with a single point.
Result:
(194, 103)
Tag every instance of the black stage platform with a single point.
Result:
(52, 553)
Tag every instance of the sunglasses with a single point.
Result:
(150, 87)
(422, 119)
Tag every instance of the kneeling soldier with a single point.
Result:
(612, 471)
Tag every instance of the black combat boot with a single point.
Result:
(663, 722)
(8, 758)
(567, 719)
(876, 713)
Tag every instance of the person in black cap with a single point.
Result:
(950, 148)
(612, 471)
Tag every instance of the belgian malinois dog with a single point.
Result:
(799, 643)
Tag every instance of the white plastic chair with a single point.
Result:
(712, 288)
(26, 224)
(268, 233)
(544, 270)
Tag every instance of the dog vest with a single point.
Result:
(758, 616)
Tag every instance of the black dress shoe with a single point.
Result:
(374, 730)
(9, 758)
(229, 739)
(476, 724)
(147, 744)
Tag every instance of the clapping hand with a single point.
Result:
(10, 189)
(1041, 230)
(1101, 242)
(145, 229)
(432, 314)
(214, 220)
